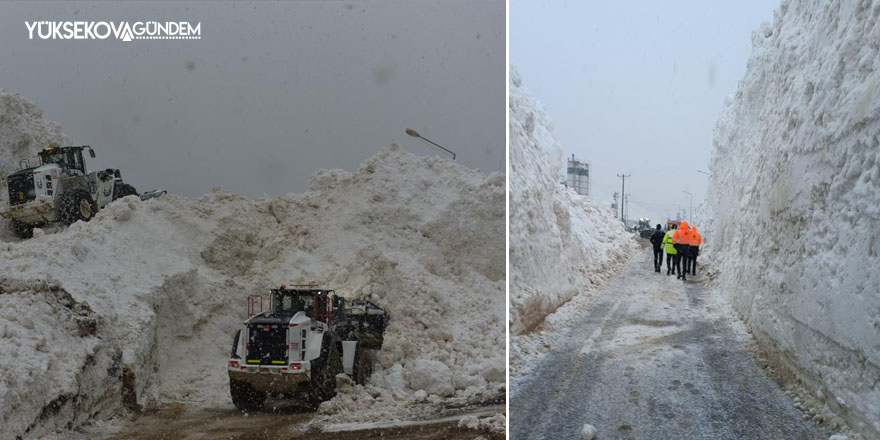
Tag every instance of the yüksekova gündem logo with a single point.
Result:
(123, 30)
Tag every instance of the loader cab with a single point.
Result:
(69, 159)
(316, 303)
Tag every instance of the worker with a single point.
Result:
(681, 240)
(688, 242)
(671, 253)
(695, 250)
(657, 243)
(689, 250)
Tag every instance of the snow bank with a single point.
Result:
(23, 133)
(138, 307)
(559, 241)
(795, 195)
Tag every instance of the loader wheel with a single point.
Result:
(77, 204)
(121, 190)
(322, 386)
(21, 230)
(245, 397)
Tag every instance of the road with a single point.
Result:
(654, 358)
(180, 422)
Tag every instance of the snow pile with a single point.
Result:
(23, 133)
(795, 194)
(559, 241)
(138, 307)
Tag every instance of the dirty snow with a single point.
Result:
(137, 308)
(561, 244)
(795, 193)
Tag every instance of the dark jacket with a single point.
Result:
(657, 238)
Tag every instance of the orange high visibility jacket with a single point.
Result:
(682, 234)
(698, 239)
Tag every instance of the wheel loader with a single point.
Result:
(296, 349)
(60, 189)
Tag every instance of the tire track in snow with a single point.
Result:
(653, 358)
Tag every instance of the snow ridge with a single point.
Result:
(23, 133)
(559, 241)
(795, 195)
(137, 307)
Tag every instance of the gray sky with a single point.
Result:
(636, 87)
(272, 91)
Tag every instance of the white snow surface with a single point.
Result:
(795, 194)
(137, 307)
(563, 246)
(560, 241)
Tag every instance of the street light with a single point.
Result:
(692, 204)
(416, 134)
(701, 171)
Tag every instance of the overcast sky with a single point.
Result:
(636, 87)
(272, 91)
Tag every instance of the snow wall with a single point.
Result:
(23, 133)
(559, 240)
(795, 194)
(138, 307)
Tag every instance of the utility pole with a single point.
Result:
(614, 204)
(692, 204)
(622, 195)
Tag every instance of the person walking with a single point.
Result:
(671, 253)
(695, 250)
(657, 243)
(681, 239)
(687, 247)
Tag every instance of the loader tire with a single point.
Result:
(245, 397)
(322, 385)
(121, 190)
(21, 230)
(77, 204)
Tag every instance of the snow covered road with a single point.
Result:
(654, 358)
(176, 421)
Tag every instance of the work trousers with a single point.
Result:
(676, 262)
(686, 256)
(670, 261)
(695, 251)
(658, 258)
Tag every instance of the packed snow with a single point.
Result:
(137, 307)
(588, 432)
(561, 244)
(795, 200)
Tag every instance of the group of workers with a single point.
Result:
(682, 245)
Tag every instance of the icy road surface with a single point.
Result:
(179, 422)
(654, 358)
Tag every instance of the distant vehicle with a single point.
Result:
(60, 189)
(644, 227)
(297, 348)
(671, 223)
